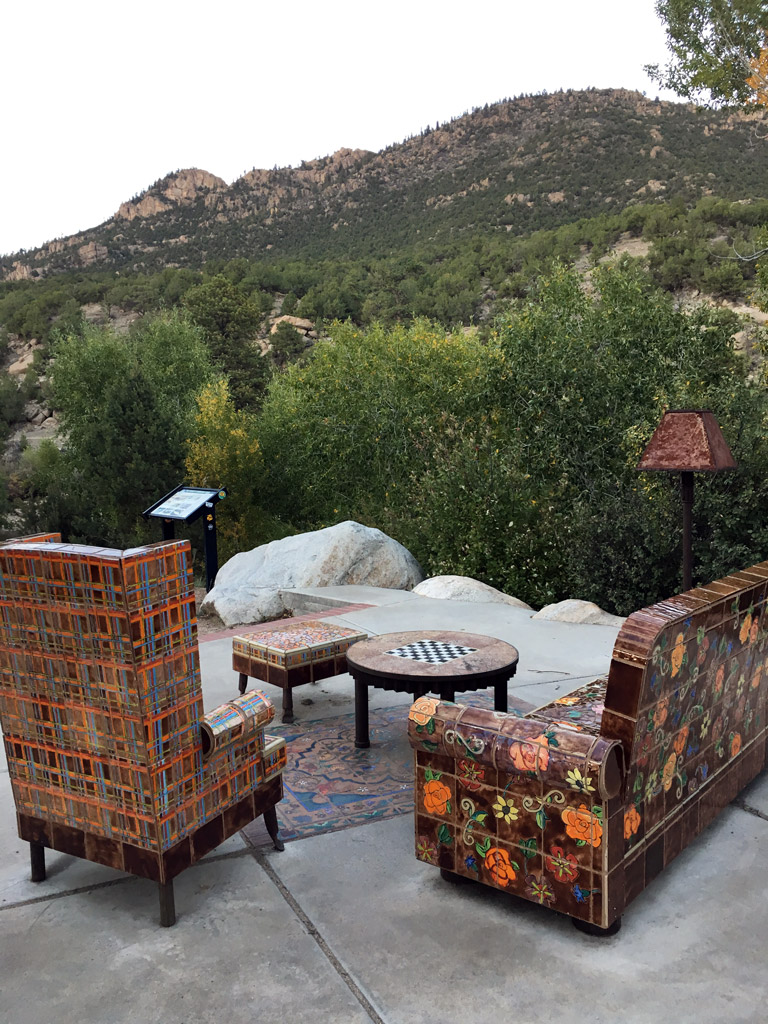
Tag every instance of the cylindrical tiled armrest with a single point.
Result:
(519, 746)
(237, 720)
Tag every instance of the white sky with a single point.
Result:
(101, 99)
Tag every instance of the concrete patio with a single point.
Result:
(348, 926)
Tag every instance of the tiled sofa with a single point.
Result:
(580, 804)
(110, 755)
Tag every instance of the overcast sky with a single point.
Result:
(101, 99)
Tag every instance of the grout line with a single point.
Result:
(313, 931)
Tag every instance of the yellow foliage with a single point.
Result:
(758, 80)
(224, 451)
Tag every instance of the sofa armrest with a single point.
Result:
(555, 754)
(239, 720)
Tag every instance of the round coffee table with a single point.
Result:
(428, 661)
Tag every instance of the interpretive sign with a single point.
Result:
(186, 505)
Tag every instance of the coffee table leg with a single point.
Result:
(500, 701)
(288, 705)
(243, 682)
(447, 693)
(362, 738)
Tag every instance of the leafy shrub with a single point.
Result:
(126, 407)
(514, 461)
(224, 452)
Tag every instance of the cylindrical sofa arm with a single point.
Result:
(238, 719)
(555, 754)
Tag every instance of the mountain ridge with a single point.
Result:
(511, 166)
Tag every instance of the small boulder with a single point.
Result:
(578, 611)
(464, 588)
(248, 585)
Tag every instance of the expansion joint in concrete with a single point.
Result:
(750, 809)
(313, 931)
(68, 892)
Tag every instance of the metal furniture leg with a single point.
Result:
(500, 696)
(362, 738)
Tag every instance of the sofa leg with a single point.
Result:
(167, 905)
(592, 929)
(451, 876)
(37, 861)
(270, 820)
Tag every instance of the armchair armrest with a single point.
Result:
(240, 719)
(555, 754)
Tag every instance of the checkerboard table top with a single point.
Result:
(302, 642)
(433, 653)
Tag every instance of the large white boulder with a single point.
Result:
(248, 585)
(578, 611)
(464, 588)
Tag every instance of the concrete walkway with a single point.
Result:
(349, 926)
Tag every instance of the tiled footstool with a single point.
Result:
(294, 654)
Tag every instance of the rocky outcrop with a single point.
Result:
(180, 189)
(464, 588)
(248, 586)
(92, 252)
(21, 354)
(578, 611)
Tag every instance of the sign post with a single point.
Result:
(186, 505)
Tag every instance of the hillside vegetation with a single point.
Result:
(510, 167)
(479, 364)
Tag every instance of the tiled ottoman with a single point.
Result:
(294, 654)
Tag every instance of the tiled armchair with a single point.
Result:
(110, 755)
(579, 805)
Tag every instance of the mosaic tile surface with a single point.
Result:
(300, 644)
(527, 806)
(100, 698)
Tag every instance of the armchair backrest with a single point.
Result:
(688, 691)
(100, 695)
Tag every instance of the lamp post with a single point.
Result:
(687, 441)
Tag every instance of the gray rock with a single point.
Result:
(464, 588)
(248, 586)
(578, 611)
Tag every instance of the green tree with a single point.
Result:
(287, 344)
(126, 408)
(229, 321)
(715, 46)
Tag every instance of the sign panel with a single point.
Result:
(183, 503)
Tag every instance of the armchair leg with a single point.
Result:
(167, 905)
(593, 929)
(270, 820)
(37, 861)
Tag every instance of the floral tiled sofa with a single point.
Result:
(110, 755)
(580, 804)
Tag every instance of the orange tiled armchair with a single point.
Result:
(110, 755)
(579, 805)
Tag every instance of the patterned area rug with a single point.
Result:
(330, 784)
